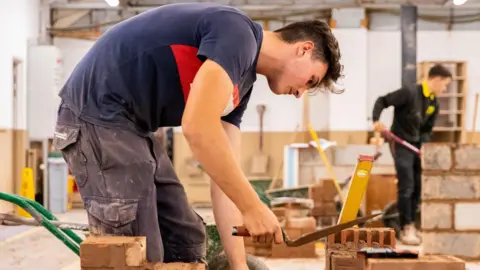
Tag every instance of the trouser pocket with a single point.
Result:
(108, 216)
(67, 140)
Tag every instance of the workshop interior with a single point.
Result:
(349, 186)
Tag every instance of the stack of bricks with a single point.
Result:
(324, 206)
(451, 200)
(341, 248)
(294, 228)
(123, 253)
(293, 217)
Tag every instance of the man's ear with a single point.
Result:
(307, 47)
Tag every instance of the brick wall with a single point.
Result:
(451, 200)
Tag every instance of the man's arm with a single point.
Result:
(396, 98)
(225, 212)
(203, 129)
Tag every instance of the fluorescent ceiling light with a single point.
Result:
(112, 3)
(459, 2)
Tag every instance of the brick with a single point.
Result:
(467, 157)
(283, 212)
(465, 216)
(364, 237)
(432, 262)
(325, 191)
(436, 157)
(457, 244)
(108, 251)
(156, 266)
(308, 223)
(349, 241)
(436, 216)
(450, 187)
(284, 251)
(179, 266)
(346, 262)
(324, 209)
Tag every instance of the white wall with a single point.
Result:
(372, 62)
(20, 21)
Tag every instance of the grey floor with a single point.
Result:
(27, 248)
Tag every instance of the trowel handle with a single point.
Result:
(240, 231)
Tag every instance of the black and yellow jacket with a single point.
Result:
(414, 115)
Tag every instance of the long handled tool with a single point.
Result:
(389, 134)
(325, 160)
(260, 160)
(311, 237)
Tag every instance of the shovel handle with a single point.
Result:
(240, 231)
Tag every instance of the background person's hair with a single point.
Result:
(439, 71)
(326, 48)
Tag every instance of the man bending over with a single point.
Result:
(191, 65)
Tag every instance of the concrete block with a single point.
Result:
(436, 156)
(466, 216)
(467, 157)
(465, 245)
(450, 187)
(348, 155)
(113, 251)
(436, 216)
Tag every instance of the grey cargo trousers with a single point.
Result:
(130, 188)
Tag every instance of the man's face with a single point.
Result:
(438, 85)
(298, 73)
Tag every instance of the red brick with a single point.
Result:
(284, 251)
(346, 262)
(283, 212)
(349, 241)
(109, 251)
(439, 262)
(325, 191)
(324, 209)
(308, 223)
(364, 237)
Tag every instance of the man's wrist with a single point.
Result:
(249, 201)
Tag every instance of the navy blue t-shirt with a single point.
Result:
(138, 73)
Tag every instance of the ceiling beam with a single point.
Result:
(360, 3)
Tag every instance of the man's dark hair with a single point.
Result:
(439, 71)
(326, 47)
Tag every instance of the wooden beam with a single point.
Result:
(89, 35)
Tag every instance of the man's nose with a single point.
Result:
(300, 92)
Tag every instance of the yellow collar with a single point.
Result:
(426, 90)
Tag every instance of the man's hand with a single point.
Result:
(378, 126)
(263, 225)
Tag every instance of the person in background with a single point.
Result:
(415, 113)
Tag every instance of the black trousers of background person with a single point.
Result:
(409, 186)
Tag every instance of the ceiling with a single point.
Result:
(80, 15)
(258, 5)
